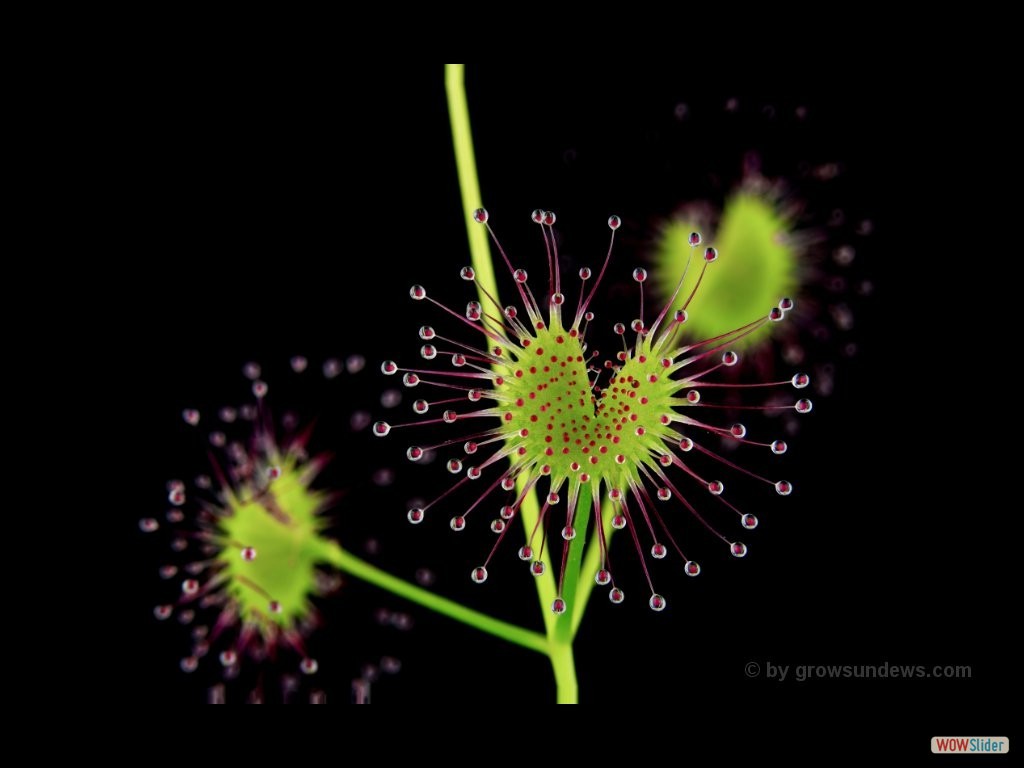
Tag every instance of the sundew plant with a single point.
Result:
(580, 466)
(572, 446)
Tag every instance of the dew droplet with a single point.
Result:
(568, 533)
(691, 568)
(189, 587)
(658, 551)
(410, 380)
(603, 577)
(298, 363)
(189, 664)
(525, 553)
(415, 515)
(480, 216)
(149, 525)
(618, 522)
(803, 406)
(191, 416)
(163, 612)
(685, 444)
(779, 447)
(458, 523)
(473, 310)
(479, 575)
(537, 216)
(259, 389)
(228, 658)
(640, 274)
(614, 222)
(657, 603)
(497, 526)
(454, 466)
(619, 328)
(309, 666)
(730, 358)
(616, 595)
(693, 397)
(783, 488)
(275, 606)
(428, 351)
(558, 606)
(664, 494)
(749, 522)
(585, 273)
(381, 429)
(738, 549)
(389, 367)
(710, 255)
(537, 567)
(467, 273)
(776, 314)
(414, 453)
(785, 304)
(716, 487)
(449, 417)
(418, 292)
(520, 275)
(695, 239)
(800, 380)
(474, 473)
(332, 367)
(738, 431)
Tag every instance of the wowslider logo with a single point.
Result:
(970, 745)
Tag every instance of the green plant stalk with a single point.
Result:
(591, 563)
(354, 566)
(564, 625)
(560, 652)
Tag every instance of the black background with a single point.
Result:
(289, 214)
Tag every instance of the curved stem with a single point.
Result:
(567, 622)
(559, 629)
(350, 564)
(592, 562)
(480, 255)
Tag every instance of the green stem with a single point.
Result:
(483, 266)
(559, 628)
(564, 665)
(352, 565)
(581, 519)
(592, 562)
